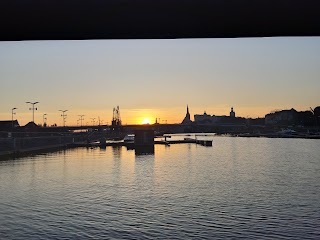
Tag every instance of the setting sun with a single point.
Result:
(146, 121)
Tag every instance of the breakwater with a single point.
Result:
(19, 144)
(11, 146)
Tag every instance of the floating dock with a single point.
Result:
(131, 144)
(104, 143)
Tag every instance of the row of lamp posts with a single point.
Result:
(63, 115)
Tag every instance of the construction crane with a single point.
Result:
(312, 110)
(116, 119)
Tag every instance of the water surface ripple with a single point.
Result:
(241, 188)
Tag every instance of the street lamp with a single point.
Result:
(12, 115)
(44, 119)
(33, 108)
(93, 120)
(63, 115)
(81, 118)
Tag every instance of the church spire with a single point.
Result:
(187, 119)
(188, 114)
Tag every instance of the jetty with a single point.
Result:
(144, 141)
(131, 144)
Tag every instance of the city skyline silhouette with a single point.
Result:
(157, 78)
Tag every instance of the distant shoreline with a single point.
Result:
(9, 154)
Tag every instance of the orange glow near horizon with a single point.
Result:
(139, 116)
(146, 121)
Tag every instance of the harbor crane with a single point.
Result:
(116, 119)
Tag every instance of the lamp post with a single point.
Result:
(33, 108)
(93, 120)
(45, 119)
(12, 115)
(81, 118)
(63, 115)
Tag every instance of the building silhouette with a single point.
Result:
(8, 125)
(292, 117)
(281, 118)
(219, 120)
(187, 119)
(232, 113)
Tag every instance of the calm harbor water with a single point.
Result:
(250, 188)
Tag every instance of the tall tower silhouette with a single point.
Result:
(116, 119)
(232, 113)
(188, 114)
(187, 119)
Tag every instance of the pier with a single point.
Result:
(46, 138)
(131, 144)
(144, 142)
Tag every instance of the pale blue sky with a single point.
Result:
(157, 78)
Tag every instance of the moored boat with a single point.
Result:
(129, 138)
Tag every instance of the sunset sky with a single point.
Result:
(157, 78)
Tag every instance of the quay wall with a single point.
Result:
(28, 144)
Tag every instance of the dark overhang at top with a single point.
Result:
(156, 19)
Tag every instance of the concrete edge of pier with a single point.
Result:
(33, 150)
(130, 145)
